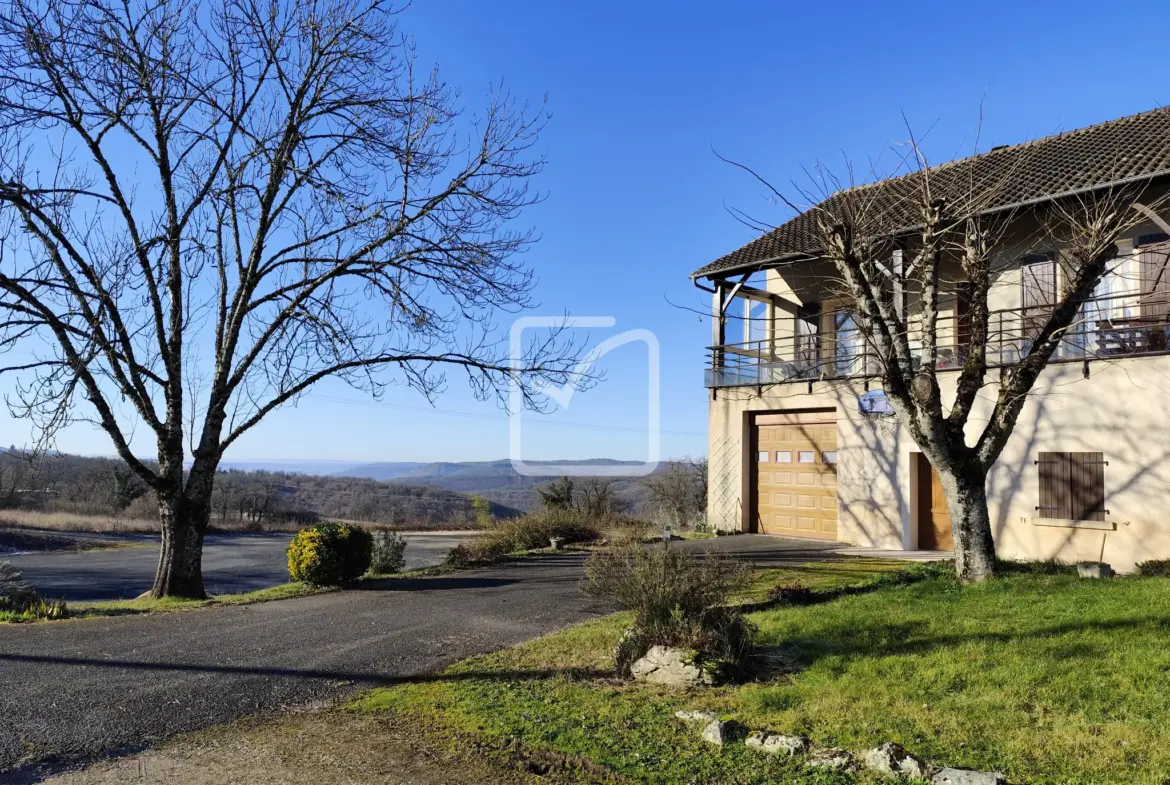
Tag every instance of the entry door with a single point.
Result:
(796, 475)
(934, 519)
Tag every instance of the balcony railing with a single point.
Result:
(1111, 327)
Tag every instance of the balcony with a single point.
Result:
(1111, 327)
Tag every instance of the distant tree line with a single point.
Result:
(58, 482)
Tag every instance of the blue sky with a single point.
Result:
(640, 93)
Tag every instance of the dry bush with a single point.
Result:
(623, 532)
(678, 599)
(19, 602)
(526, 533)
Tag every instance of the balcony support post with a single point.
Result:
(718, 325)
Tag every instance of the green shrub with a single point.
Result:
(330, 554)
(678, 600)
(527, 533)
(387, 555)
(1154, 568)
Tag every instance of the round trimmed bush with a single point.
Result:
(330, 554)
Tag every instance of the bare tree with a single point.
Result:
(597, 499)
(208, 207)
(901, 249)
(678, 490)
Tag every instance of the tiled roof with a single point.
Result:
(1125, 150)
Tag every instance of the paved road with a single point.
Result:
(231, 563)
(76, 689)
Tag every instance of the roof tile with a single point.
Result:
(1123, 150)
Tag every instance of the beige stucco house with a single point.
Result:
(1086, 474)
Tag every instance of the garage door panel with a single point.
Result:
(801, 499)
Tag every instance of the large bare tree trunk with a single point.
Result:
(185, 516)
(966, 494)
(180, 564)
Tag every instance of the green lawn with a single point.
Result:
(1047, 678)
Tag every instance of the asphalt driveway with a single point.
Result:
(232, 563)
(77, 689)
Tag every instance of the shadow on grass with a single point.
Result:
(796, 594)
(852, 642)
(357, 677)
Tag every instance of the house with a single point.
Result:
(797, 443)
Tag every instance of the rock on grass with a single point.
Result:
(832, 759)
(776, 743)
(966, 777)
(893, 760)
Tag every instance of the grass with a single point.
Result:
(822, 576)
(74, 522)
(1047, 678)
(141, 605)
(285, 591)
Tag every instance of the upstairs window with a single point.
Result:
(1072, 486)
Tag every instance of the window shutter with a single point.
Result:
(1072, 486)
(1087, 486)
(1038, 275)
(1054, 473)
(1155, 279)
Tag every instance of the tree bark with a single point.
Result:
(180, 564)
(965, 488)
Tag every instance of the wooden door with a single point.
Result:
(934, 519)
(796, 478)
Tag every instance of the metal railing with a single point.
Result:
(1109, 327)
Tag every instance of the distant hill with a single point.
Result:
(496, 481)
(382, 471)
(325, 468)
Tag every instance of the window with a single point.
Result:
(783, 456)
(807, 456)
(762, 456)
(829, 456)
(850, 344)
(1072, 486)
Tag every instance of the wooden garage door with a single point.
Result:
(796, 475)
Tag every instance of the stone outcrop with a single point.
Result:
(777, 743)
(675, 667)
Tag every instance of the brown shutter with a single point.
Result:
(1087, 486)
(1155, 275)
(1038, 276)
(1054, 471)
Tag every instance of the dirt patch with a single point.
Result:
(332, 747)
